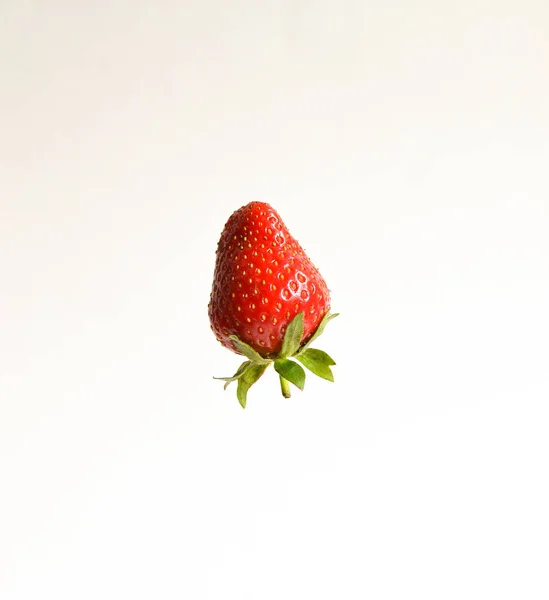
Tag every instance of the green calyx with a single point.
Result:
(289, 371)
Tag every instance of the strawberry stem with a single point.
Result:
(285, 387)
(315, 360)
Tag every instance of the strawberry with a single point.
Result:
(268, 300)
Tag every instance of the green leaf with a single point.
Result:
(241, 370)
(318, 362)
(291, 371)
(248, 351)
(292, 338)
(248, 378)
(327, 318)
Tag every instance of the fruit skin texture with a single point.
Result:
(262, 280)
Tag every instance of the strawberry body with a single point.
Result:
(262, 280)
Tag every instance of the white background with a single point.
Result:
(406, 146)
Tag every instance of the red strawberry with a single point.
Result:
(268, 300)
